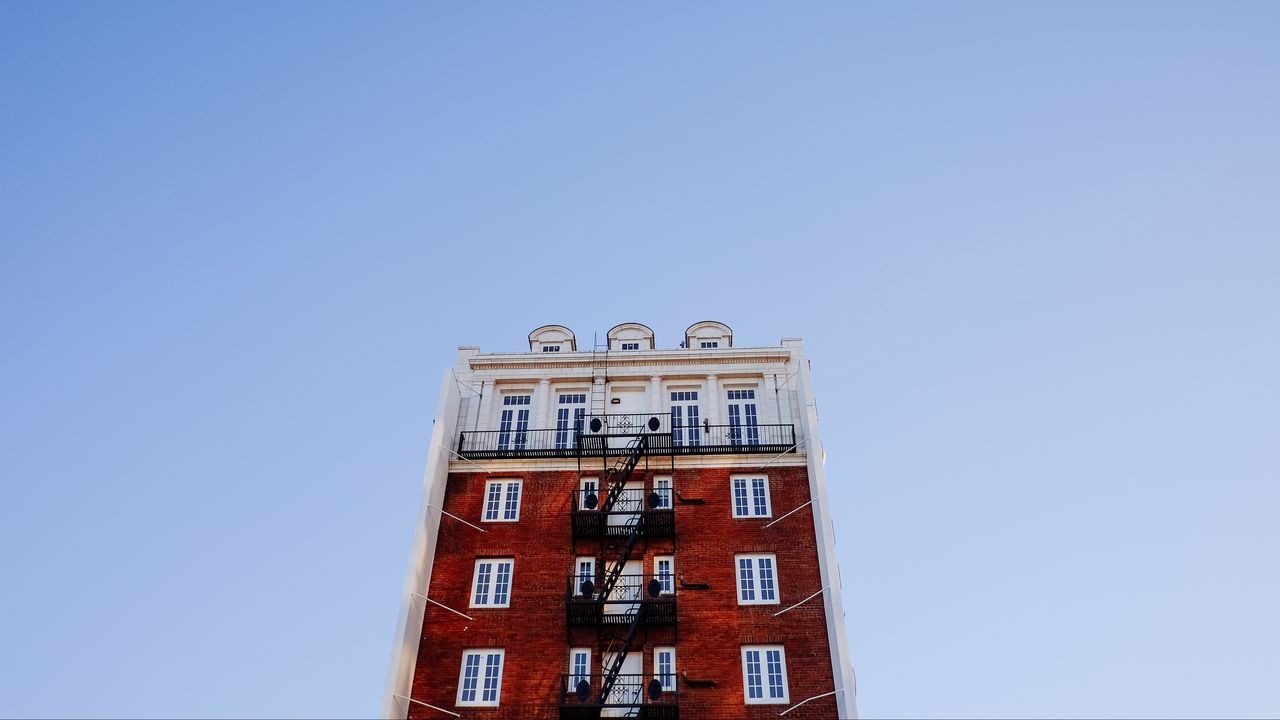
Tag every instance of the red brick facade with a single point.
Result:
(712, 625)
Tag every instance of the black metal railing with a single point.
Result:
(613, 433)
(629, 696)
(651, 598)
(651, 513)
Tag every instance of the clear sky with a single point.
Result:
(1034, 250)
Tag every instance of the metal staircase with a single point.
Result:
(618, 477)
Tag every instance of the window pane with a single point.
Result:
(492, 501)
(754, 690)
(776, 690)
(767, 589)
(740, 497)
(470, 676)
(513, 501)
(502, 584)
(483, 572)
(760, 496)
(492, 673)
(746, 583)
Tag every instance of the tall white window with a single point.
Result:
(569, 418)
(743, 421)
(664, 667)
(757, 579)
(584, 570)
(480, 682)
(513, 424)
(579, 667)
(685, 430)
(764, 675)
(588, 488)
(491, 586)
(751, 497)
(501, 501)
(664, 571)
(662, 486)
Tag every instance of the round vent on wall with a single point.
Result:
(655, 689)
(655, 587)
(588, 588)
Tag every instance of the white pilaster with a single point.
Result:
(655, 394)
(712, 406)
(542, 402)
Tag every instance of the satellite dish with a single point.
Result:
(596, 425)
(654, 500)
(654, 424)
(591, 501)
(655, 587)
(583, 691)
(655, 689)
(588, 588)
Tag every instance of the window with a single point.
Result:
(630, 346)
(751, 497)
(579, 667)
(664, 667)
(501, 501)
(480, 682)
(569, 418)
(664, 570)
(513, 424)
(684, 418)
(550, 348)
(662, 486)
(585, 569)
(757, 579)
(492, 585)
(588, 491)
(743, 428)
(709, 344)
(764, 675)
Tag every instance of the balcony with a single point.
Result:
(649, 515)
(633, 597)
(608, 435)
(633, 696)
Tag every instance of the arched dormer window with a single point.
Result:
(552, 338)
(708, 335)
(630, 336)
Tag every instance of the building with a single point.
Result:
(624, 531)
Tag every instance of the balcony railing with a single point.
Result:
(636, 696)
(652, 598)
(594, 436)
(651, 514)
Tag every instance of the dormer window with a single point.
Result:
(552, 338)
(708, 335)
(550, 348)
(630, 336)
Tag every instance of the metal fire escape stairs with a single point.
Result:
(618, 476)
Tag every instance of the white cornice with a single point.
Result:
(631, 358)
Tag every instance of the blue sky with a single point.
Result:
(1032, 248)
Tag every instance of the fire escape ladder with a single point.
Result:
(633, 536)
(615, 667)
(620, 473)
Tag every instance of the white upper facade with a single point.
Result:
(719, 393)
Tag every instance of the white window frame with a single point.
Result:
(504, 498)
(668, 585)
(750, 490)
(484, 654)
(583, 483)
(664, 486)
(757, 587)
(708, 344)
(550, 348)
(625, 343)
(765, 687)
(578, 572)
(491, 586)
(573, 674)
(657, 668)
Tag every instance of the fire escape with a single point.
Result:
(620, 606)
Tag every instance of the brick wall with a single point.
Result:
(712, 626)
